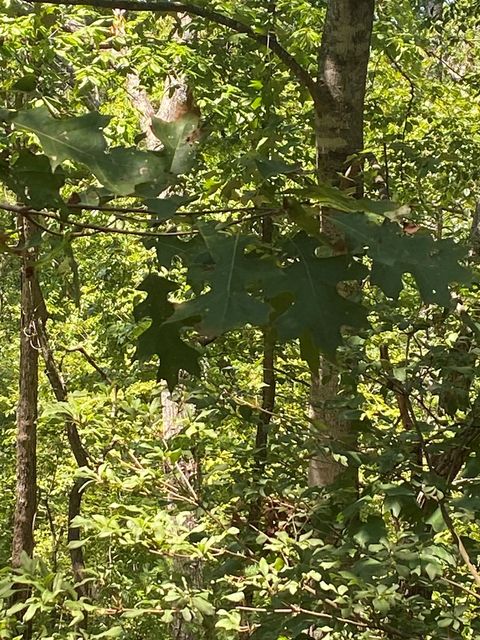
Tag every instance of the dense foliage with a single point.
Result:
(185, 294)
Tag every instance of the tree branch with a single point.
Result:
(268, 40)
(27, 211)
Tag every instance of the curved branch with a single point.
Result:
(268, 40)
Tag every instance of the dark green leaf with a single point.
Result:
(79, 139)
(231, 272)
(269, 168)
(318, 308)
(160, 339)
(34, 182)
(434, 264)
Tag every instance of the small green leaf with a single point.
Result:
(18, 606)
(206, 608)
(76, 544)
(433, 570)
(239, 596)
(26, 83)
(444, 622)
(370, 532)
(31, 611)
(186, 614)
(436, 521)
(269, 168)
(165, 208)
(381, 605)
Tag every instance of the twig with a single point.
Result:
(91, 362)
(126, 232)
(461, 587)
(27, 211)
(34, 221)
(147, 211)
(295, 610)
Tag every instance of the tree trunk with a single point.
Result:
(26, 472)
(343, 63)
(26, 467)
(174, 415)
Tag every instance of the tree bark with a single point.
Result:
(434, 8)
(27, 413)
(343, 64)
(26, 470)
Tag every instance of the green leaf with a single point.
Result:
(18, 606)
(436, 521)
(133, 613)
(369, 568)
(371, 531)
(26, 83)
(31, 611)
(114, 632)
(433, 570)
(160, 339)
(76, 544)
(34, 182)
(166, 208)
(318, 309)
(206, 608)
(334, 198)
(306, 219)
(168, 248)
(179, 139)
(269, 168)
(239, 596)
(229, 620)
(433, 263)
(186, 614)
(79, 139)
(381, 605)
(128, 170)
(444, 622)
(167, 616)
(231, 272)
(472, 467)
